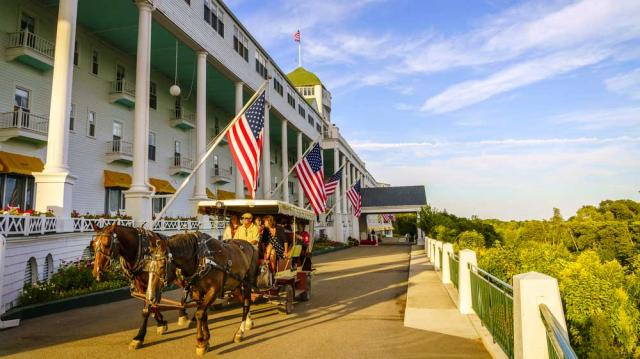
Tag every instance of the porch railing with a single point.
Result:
(119, 146)
(182, 162)
(123, 87)
(492, 301)
(32, 41)
(23, 119)
(86, 224)
(177, 225)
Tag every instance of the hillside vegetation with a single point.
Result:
(595, 255)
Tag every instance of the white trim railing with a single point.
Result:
(26, 120)
(182, 162)
(86, 224)
(32, 41)
(22, 225)
(123, 87)
(119, 147)
(177, 225)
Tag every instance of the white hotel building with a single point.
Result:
(88, 124)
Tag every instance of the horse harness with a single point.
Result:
(142, 254)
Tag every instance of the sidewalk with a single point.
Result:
(429, 307)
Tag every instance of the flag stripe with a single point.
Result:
(311, 176)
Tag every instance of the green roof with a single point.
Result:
(302, 77)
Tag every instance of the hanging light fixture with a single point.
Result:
(174, 90)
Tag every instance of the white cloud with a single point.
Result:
(603, 118)
(501, 183)
(470, 92)
(626, 84)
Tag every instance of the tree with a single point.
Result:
(470, 240)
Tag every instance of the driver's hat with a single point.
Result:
(247, 215)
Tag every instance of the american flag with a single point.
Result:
(354, 196)
(332, 184)
(296, 36)
(388, 217)
(311, 177)
(245, 143)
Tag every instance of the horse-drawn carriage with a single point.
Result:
(293, 273)
(209, 268)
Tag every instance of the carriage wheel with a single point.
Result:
(288, 294)
(306, 295)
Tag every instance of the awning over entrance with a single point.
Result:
(222, 195)
(116, 179)
(162, 186)
(404, 199)
(210, 194)
(19, 164)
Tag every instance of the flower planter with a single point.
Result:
(61, 305)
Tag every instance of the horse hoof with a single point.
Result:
(182, 321)
(203, 350)
(162, 329)
(135, 344)
(249, 324)
(238, 337)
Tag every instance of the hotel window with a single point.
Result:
(291, 101)
(75, 53)
(261, 65)
(152, 146)
(217, 19)
(291, 186)
(177, 153)
(72, 118)
(91, 124)
(301, 111)
(310, 120)
(16, 191)
(277, 84)
(157, 204)
(114, 200)
(216, 126)
(27, 23)
(116, 137)
(153, 97)
(318, 128)
(21, 99)
(94, 62)
(308, 91)
(241, 43)
(216, 166)
(207, 12)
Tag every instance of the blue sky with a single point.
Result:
(502, 109)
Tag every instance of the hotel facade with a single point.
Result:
(106, 103)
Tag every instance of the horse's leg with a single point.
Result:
(137, 341)
(162, 324)
(183, 317)
(245, 325)
(203, 335)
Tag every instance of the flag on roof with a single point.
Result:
(296, 36)
(332, 183)
(245, 142)
(354, 196)
(311, 177)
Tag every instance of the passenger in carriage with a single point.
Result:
(232, 228)
(274, 238)
(247, 231)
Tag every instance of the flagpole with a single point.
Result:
(213, 144)
(300, 53)
(294, 166)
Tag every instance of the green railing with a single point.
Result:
(454, 265)
(492, 300)
(558, 343)
(440, 258)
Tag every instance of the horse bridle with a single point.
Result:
(114, 246)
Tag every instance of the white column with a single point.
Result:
(138, 197)
(466, 257)
(529, 291)
(54, 184)
(337, 212)
(239, 180)
(447, 251)
(199, 191)
(436, 263)
(343, 183)
(266, 156)
(299, 148)
(285, 163)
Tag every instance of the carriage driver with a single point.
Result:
(247, 230)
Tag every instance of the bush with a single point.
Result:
(353, 242)
(71, 279)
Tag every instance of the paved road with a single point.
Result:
(356, 311)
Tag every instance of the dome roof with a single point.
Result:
(302, 77)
